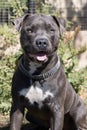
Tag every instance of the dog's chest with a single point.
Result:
(36, 94)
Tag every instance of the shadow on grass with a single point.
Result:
(4, 128)
(24, 127)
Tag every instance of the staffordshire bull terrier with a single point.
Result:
(39, 83)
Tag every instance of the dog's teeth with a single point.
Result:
(41, 58)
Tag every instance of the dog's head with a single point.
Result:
(40, 35)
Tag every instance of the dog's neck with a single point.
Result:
(38, 68)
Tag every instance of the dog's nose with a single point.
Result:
(42, 43)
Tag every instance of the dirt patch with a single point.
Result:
(4, 120)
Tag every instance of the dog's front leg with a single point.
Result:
(56, 122)
(79, 114)
(16, 117)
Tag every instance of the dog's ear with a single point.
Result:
(61, 23)
(18, 22)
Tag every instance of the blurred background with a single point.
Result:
(72, 48)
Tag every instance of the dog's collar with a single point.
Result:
(41, 76)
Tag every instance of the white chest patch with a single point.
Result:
(35, 94)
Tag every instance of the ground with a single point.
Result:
(4, 121)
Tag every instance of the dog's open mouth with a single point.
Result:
(41, 56)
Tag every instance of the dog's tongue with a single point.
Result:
(41, 58)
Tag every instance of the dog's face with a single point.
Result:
(40, 35)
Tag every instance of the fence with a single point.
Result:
(73, 10)
(77, 17)
(4, 12)
(65, 7)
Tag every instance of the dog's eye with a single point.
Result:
(52, 30)
(29, 30)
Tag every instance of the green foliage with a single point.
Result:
(18, 6)
(5, 83)
(6, 71)
(9, 35)
(68, 56)
(4, 4)
(7, 65)
(46, 8)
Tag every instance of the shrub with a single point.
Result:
(7, 66)
(69, 59)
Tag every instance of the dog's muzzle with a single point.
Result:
(42, 43)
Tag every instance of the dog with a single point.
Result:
(39, 83)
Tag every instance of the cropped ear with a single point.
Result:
(61, 23)
(18, 22)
